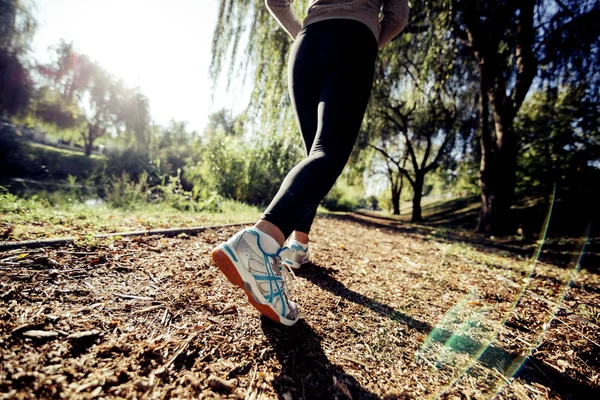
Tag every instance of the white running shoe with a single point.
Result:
(261, 275)
(297, 255)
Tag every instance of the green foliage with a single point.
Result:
(560, 140)
(264, 59)
(132, 161)
(54, 109)
(270, 161)
(10, 203)
(128, 193)
(173, 194)
(343, 197)
(78, 93)
(223, 167)
(418, 106)
(124, 192)
(240, 168)
(17, 26)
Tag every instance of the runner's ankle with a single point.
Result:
(300, 237)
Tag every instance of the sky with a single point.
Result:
(161, 46)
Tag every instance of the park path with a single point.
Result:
(388, 310)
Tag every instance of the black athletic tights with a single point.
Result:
(331, 70)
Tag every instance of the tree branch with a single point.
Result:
(442, 150)
(411, 151)
(402, 170)
(526, 60)
(565, 8)
(427, 151)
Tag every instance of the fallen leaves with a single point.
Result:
(152, 317)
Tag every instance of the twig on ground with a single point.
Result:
(183, 347)
(130, 296)
(249, 389)
(579, 333)
(76, 253)
(152, 278)
(354, 360)
(432, 365)
(148, 309)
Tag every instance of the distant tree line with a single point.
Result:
(75, 98)
(486, 97)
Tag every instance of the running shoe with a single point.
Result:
(261, 275)
(297, 255)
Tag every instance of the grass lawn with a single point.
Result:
(34, 218)
(31, 219)
(63, 152)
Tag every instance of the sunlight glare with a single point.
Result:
(162, 47)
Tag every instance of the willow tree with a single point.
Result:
(249, 45)
(422, 87)
(511, 43)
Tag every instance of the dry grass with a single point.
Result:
(389, 312)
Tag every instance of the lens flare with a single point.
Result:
(470, 342)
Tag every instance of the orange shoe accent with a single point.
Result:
(224, 264)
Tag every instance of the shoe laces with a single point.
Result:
(286, 272)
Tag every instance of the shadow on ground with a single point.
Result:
(305, 369)
(573, 209)
(533, 370)
(556, 252)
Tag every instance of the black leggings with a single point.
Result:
(331, 70)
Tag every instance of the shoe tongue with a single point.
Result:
(285, 253)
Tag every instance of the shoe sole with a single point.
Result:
(228, 268)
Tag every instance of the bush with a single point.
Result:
(240, 170)
(173, 193)
(9, 203)
(123, 192)
(132, 162)
(343, 198)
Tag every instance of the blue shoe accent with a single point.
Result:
(230, 252)
(272, 296)
(298, 247)
(267, 278)
(271, 278)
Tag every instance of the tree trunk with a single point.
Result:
(86, 135)
(396, 202)
(487, 164)
(396, 192)
(506, 166)
(497, 174)
(417, 196)
(88, 139)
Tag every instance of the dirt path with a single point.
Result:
(387, 312)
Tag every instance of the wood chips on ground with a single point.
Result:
(387, 312)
